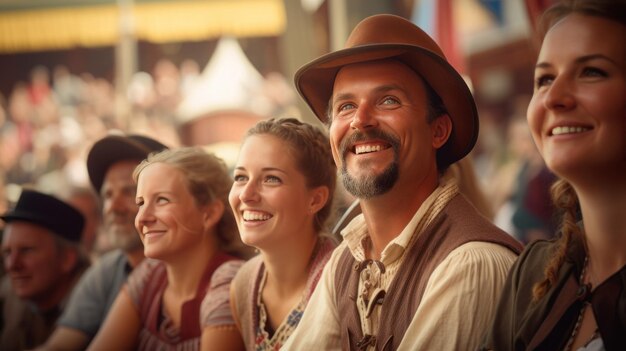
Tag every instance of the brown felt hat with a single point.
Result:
(387, 36)
(114, 148)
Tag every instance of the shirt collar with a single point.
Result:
(356, 235)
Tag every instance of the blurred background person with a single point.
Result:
(87, 202)
(110, 163)
(43, 262)
(520, 189)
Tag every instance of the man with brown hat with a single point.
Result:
(110, 164)
(42, 260)
(420, 268)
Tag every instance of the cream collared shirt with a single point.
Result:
(457, 304)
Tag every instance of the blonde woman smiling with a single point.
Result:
(180, 297)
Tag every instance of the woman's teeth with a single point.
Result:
(568, 130)
(255, 216)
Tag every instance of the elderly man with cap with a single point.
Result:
(420, 268)
(43, 262)
(110, 164)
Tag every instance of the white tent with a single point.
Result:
(228, 82)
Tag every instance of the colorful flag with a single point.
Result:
(436, 17)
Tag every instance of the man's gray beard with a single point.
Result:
(126, 240)
(370, 185)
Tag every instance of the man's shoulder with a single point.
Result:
(480, 255)
(338, 252)
(461, 211)
(106, 273)
(340, 262)
(463, 218)
(109, 263)
(112, 257)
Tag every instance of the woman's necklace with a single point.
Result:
(587, 289)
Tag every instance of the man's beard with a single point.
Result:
(371, 184)
(124, 237)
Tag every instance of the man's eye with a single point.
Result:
(390, 101)
(345, 107)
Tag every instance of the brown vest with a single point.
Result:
(457, 223)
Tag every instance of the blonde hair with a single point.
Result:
(207, 180)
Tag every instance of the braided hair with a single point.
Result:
(563, 194)
(311, 150)
(566, 202)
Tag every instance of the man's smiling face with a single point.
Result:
(379, 130)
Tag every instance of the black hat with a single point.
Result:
(48, 212)
(115, 148)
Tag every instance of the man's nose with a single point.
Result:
(363, 117)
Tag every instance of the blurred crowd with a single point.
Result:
(48, 123)
(123, 230)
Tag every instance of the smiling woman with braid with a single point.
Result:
(570, 294)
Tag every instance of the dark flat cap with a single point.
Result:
(48, 212)
(114, 148)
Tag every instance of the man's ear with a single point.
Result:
(69, 260)
(441, 128)
(319, 197)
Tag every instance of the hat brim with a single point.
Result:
(72, 231)
(26, 217)
(315, 81)
(115, 148)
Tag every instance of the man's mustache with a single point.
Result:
(375, 134)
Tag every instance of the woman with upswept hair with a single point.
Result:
(178, 298)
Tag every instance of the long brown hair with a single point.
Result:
(614, 10)
(566, 201)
